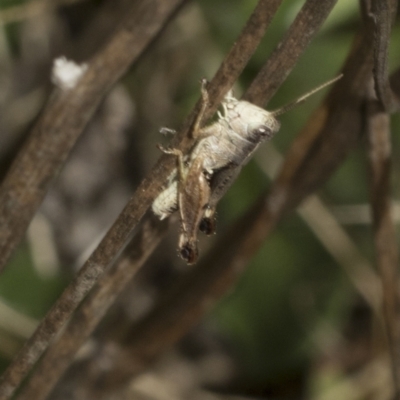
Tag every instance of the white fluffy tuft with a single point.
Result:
(66, 74)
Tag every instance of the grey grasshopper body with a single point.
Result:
(204, 175)
(220, 152)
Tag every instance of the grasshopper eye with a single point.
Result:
(263, 132)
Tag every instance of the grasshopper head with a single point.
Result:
(250, 121)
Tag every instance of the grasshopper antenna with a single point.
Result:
(303, 98)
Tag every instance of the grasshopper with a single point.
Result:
(203, 176)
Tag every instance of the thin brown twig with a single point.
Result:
(382, 16)
(50, 142)
(245, 45)
(387, 254)
(274, 72)
(114, 239)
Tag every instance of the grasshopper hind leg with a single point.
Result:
(188, 249)
(208, 224)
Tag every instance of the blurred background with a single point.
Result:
(296, 324)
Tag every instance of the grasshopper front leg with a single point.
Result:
(195, 131)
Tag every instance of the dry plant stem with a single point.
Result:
(61, 353)
(50, 142)
(285, 56)
(247, 43)
(387, 257)
(382, 16)
(134, 210)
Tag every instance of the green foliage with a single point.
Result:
(24, 289)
